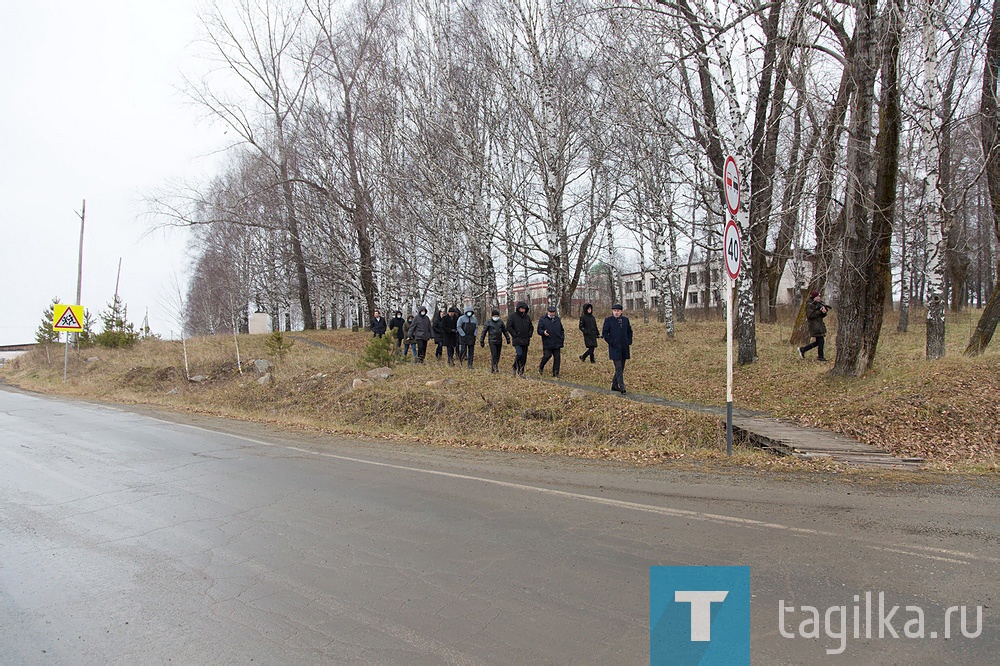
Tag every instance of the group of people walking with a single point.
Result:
(455, 332)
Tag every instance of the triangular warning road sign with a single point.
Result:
(68, 321)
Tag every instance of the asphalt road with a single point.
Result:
(128, 536)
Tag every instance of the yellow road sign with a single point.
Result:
(67, 318)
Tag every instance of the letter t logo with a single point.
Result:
(699, 616)
(701, 610)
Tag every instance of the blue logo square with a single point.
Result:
(699, 615)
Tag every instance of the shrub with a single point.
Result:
(118, 331)
(277, 346)
(380, 352)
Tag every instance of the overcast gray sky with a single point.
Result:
(91, 110)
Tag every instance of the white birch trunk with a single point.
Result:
(662, 269)
(734, 138)
(934, 208)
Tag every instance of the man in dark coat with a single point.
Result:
(378, 325)
(553, 336)
(396, 325)
(815, 312)
(421, 331)
(438, 332)
(617, 332)
(588, 325)
(449, 327)
(497, 331)
(520, 328)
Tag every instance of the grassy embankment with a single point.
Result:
(945, 411)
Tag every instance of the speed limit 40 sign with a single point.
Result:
(732, 250)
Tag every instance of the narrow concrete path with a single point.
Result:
(782, 437)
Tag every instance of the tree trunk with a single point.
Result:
(990, 137)
(764, 144)
(795, 183)
(868, 235)
(829, 223)
(936, 303)
(903, 325)
(298, 257)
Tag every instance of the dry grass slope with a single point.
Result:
(945, 411)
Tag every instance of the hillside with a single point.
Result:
(944, 411)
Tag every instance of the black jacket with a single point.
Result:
(438, 332)
(496, 330)
(520, 327)
(617, 332)
(449, 330)
(588, 324)
(398, 324)
(378, 327)
(556, 334)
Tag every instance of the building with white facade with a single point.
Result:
(702, 286)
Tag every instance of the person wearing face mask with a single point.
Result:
(420, 331)
(466, 328)
(553, 336)
(396, 325)
(496, 330)
(520, 328)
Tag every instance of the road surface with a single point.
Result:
(131, 536)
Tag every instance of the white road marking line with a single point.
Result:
(929, 553)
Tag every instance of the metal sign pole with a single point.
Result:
(66, 358)
(729, 365)
(732, 254)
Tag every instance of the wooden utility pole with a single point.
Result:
(79, 267)
(79, 284)
(79, 270)
(118, 277)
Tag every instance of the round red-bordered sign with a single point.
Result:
(732, 250)
(731, 185)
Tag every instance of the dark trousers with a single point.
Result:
(421, 350)
(451, 354)
(618, 381)
(495, 348)
(520, 359)
(437, 352)
(590, 353)
(466, 351)
(555, 355)
(817, 345)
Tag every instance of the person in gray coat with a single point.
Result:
(466, 328)
(420, 332)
